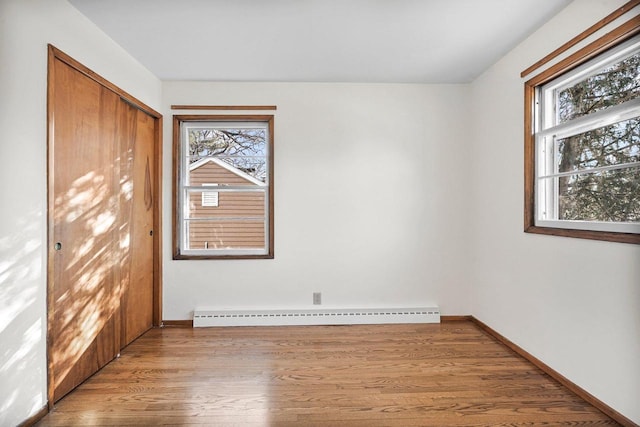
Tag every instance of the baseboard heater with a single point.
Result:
(203, 318)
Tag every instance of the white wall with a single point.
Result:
(26, 26)
(574, 304)
(370, 200)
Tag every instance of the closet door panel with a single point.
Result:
(137, 198)
(84, 292)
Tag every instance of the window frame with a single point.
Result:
(180, 253)
(532, 87)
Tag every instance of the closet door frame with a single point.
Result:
(54, 54)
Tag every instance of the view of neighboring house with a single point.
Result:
(225, 218)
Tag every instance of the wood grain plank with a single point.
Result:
(449, 374)
(583, 394)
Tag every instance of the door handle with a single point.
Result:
(57, 246)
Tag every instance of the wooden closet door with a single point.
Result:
(84, 295)
(137, 136)
(102, 207)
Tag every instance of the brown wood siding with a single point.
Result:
(226, 234)
(231, 234)
(230, 204)
(211, 173)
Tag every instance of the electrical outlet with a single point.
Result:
(317, 298)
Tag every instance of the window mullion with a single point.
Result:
(633, 165)
(618, 113)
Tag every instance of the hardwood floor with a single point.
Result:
(449, 374)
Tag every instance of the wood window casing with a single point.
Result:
(177, 174)
(609, 40)
(226, 107)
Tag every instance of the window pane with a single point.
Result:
(610, 196)
(244, 150)
(612, 86)
(616, 144)
(226, 234)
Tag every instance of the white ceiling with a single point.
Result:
(395, 41)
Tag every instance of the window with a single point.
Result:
(234, 154)
(210, 198)
(582, 157)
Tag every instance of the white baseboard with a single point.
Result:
(202, 318)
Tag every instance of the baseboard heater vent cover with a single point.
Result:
(202, 318)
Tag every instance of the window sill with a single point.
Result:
(213, 257)
(585, 234)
